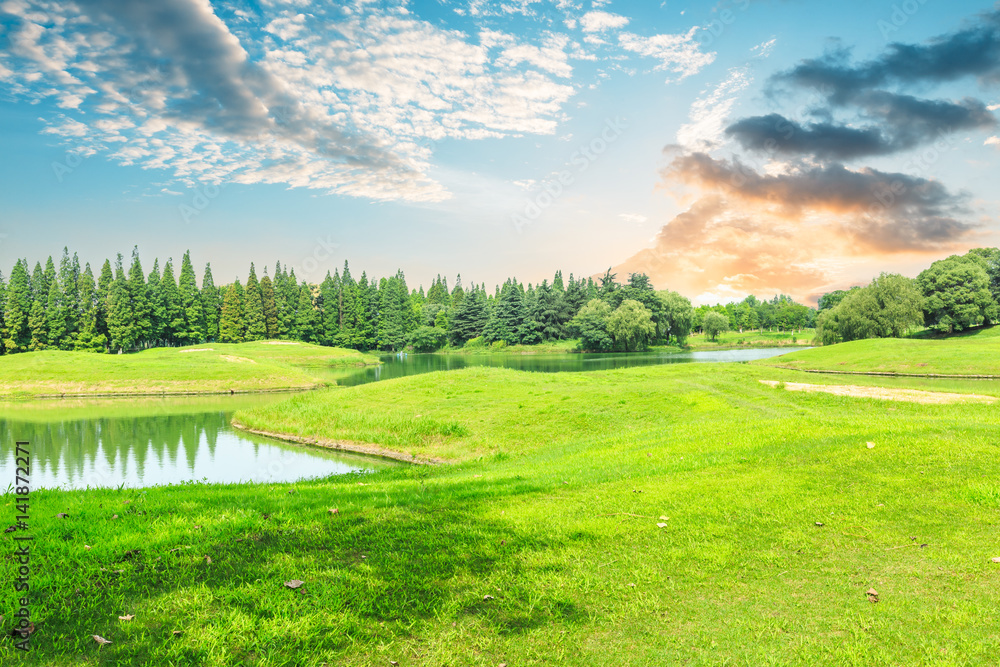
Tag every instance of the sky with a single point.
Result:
(725, 149)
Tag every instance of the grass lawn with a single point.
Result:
(681, 514)
(735, 339)
(208, 368)
(975, 352)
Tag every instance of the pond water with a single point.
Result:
(142, 442)
(399, 365)
(147, 442)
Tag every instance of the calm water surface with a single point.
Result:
(147, 442)
(394, 366)
(151, 441)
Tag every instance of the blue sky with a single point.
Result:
(725, 149)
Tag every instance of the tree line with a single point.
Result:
(952, 294)
(123, 309)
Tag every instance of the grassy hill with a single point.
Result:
(971, 353)
(208, 368)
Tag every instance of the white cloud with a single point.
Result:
(763, 50)
(633, 218)
(678, 53)
(348, 98)
(992, 141)
(709, 113)
(598, 21)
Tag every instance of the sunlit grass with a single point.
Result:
(541, 546)
(975, 352)
(207, 368)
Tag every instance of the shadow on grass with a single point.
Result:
(409, 546)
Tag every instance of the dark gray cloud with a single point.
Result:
(971, 51)
(896, 123)
(774, 133)
(886, 121)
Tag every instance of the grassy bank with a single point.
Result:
(972, 353)
(542, 546)
(208, 368)
(736, 340)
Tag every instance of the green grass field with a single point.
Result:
(543, 544)
(208, 368)
(975, 352)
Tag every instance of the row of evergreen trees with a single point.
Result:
(125, 309)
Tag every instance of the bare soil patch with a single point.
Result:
(884, 393)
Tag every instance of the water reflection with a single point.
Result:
(161, 449)
(400, 365)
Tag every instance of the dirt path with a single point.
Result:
(884, 393)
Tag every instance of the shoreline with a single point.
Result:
(156, 394)
(341, 445)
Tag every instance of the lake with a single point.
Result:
(140, 442)
(400, 365)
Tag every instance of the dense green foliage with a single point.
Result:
(890, 307)
(713, 324)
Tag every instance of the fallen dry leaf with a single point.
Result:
(87, 547)
(100, 640)
(178, 633)
(61, 515)
(333, 510)
(126, 617)
(819, 523)
(661, 525)
(871, 445)
(208, 560)
(664, 518)
(394, 663)
(114, 516)
(872, 595)
(996, 560)
(487, 598)
(294, 583)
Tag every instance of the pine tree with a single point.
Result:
(140, 324)
(285, 308)
(104, 282)
(366, 309)
(507, 316)
(193, 330)
(56, 318)
(158, 322)
(211, 304)
(121, 320)
(305, 315)
(394, 313)
(16, 334)
(38, 323)
(470, 317)
(231, 323)
(269, 305)
(3, 306)
(88, 339)
(69, 275)
(253, 308)
(173, 311)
